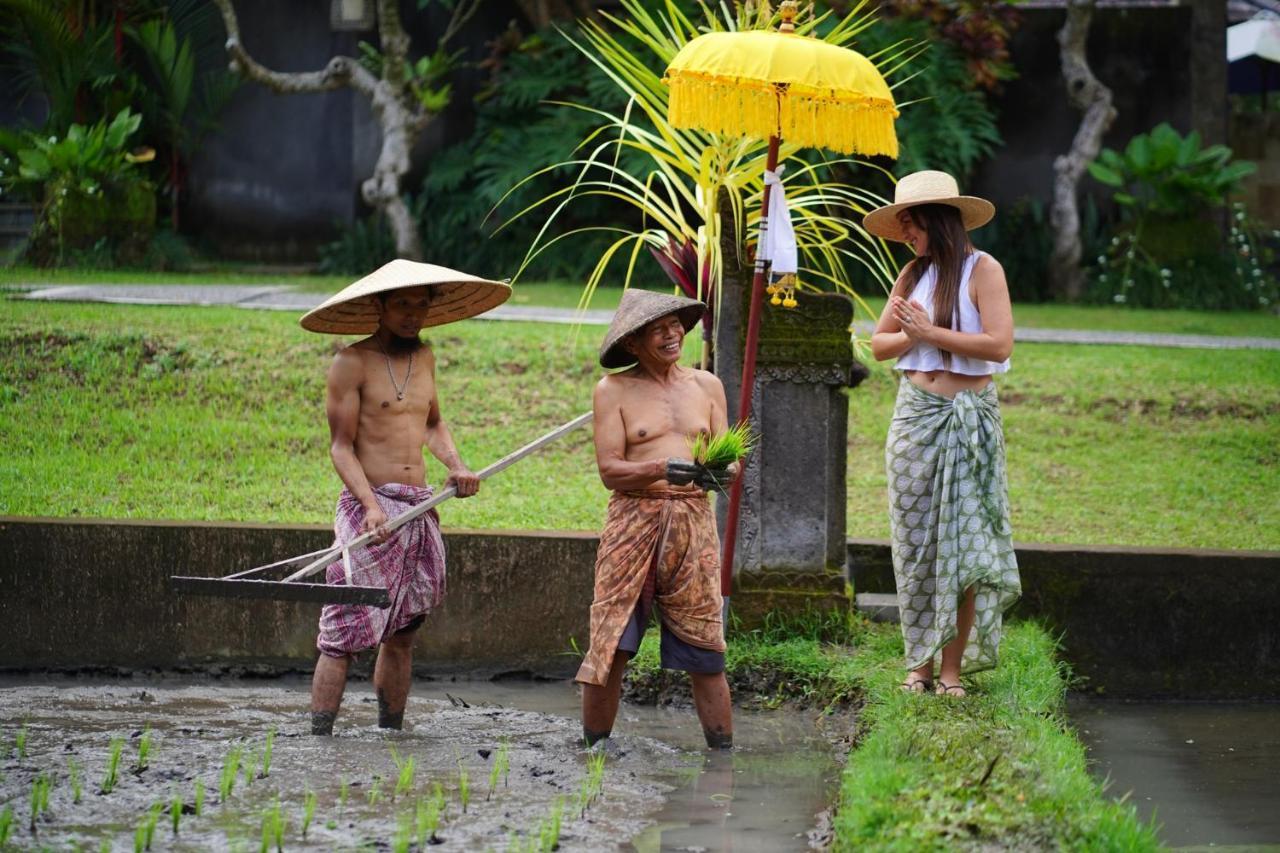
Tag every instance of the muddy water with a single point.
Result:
(662, 793)
(1208, 773)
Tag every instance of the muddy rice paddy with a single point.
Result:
(439, 784)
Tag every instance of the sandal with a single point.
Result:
(915, 684)
(945, 689)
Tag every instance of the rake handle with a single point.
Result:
(439, 498)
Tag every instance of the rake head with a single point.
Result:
(321, 593)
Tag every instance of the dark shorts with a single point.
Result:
(675, 652)
(414, 624)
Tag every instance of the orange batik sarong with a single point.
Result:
(658, 547)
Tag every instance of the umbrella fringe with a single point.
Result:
(850, 125)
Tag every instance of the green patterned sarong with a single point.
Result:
(949, 513)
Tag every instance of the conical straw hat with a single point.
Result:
(638, 309)
(927, 188)
(454, 296)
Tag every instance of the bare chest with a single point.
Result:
(396, 387)
(656, 414)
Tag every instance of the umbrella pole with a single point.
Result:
(748, 375)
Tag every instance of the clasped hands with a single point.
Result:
(912, 317)
(681, 472)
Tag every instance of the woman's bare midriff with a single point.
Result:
(946, 383)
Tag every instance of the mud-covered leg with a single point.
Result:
(327, 687)
(392, 675)
(600, 702)
(715, 712)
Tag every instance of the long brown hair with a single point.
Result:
(949, 246)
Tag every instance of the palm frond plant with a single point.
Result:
(680, 181)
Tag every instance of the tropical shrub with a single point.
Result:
(947, 122)
(89, 190)
(521, 128)
(1178, 242)
(1021, 238)
(688, 185)
(163, 59)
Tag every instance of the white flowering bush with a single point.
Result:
(1180, 242)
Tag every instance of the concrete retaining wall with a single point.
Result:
(95, 594)
(1144, 622)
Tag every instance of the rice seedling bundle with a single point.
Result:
(723, 449)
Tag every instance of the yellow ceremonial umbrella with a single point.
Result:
(777, 85)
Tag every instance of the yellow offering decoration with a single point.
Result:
(764, 83)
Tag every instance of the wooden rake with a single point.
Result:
(250, 584)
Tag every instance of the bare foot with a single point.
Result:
(955, 691)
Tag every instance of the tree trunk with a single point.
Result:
(400, 118)
(1066, 278)
(1209, 71)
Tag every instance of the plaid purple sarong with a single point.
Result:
(410, 565)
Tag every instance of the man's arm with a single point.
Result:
(440, 442)
(611, 445)
(342, 407)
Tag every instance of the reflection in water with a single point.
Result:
(1209, 773)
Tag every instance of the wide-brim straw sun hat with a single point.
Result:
(927, 187)
(638, 309)
(454, 296)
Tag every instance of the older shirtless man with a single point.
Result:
(659, 545)
(383, 409)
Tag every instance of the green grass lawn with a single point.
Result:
(217, 414)
(561, 294)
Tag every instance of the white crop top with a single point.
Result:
(924, 356)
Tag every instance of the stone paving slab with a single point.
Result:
(282, 297)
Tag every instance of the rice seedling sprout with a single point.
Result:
(113, 765)
(73, 772)
(144, 751)
(249, 767)
(175, 811)
(199, 797)
(464, 787)
(20, 742)
(375, 791)
(406, 768)
(230, 770)
(428, 815)
(501, 766)
(6, 824)
(549, 829)
(343, 790)
(308, 810)
(146, 831)
(266, 754)
(278, 824)
(39, 797)
(722, 449)
(404, 833)
(593, 783)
